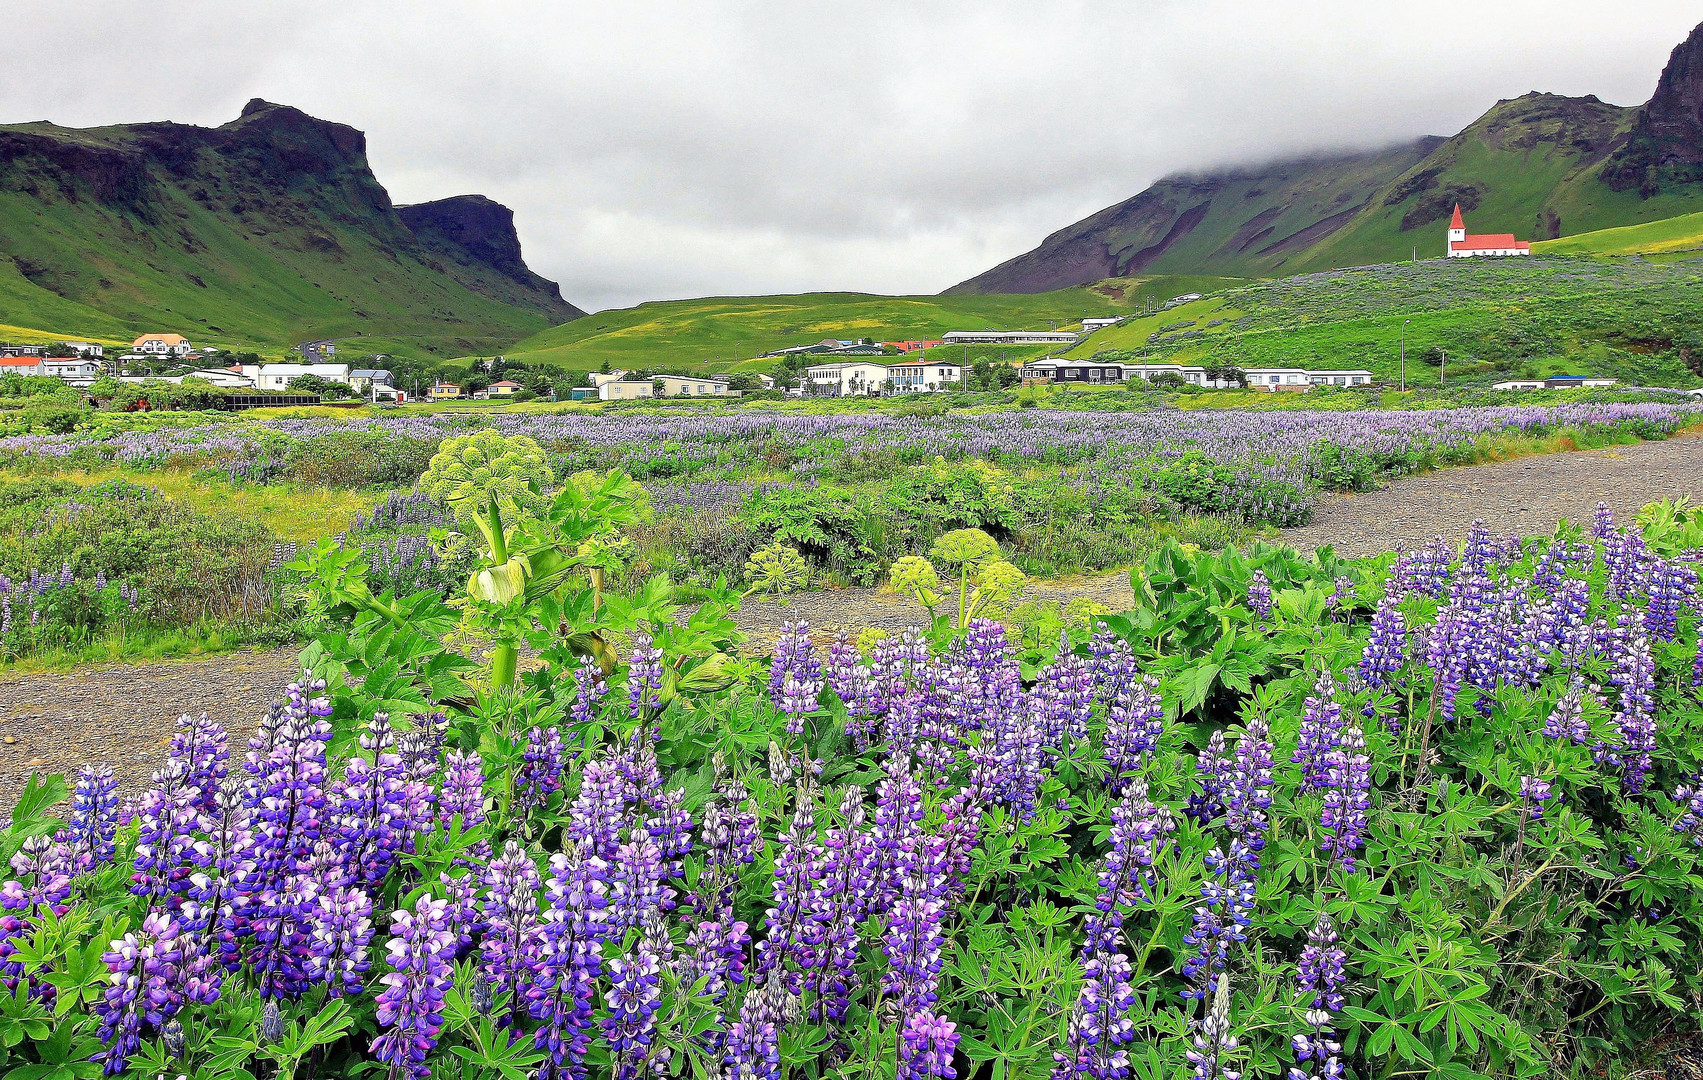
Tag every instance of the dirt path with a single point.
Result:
(124, 715)
(1525, 497)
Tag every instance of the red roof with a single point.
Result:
(1489, 242)
(1457, 222)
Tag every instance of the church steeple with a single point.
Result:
(1457, 230)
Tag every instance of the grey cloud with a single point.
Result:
(654, 149)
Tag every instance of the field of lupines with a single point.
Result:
(1430, 814)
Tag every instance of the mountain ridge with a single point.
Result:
(269, 228)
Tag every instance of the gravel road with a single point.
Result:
(124, 715)
(1525, 497)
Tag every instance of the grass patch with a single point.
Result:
(151, 645)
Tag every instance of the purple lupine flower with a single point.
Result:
(202, 746)
(714, 962)
(540, 772)
(788, 952)
(589, 691)
(94, 819)
(145, 991)
(635, 988)
(1135, 721)
(1321, 729)
(795, 676)
(288, 779)
(1008, 760)
(341, 928)
(1069, 693)
(461, 803)
(1535, 793)
(753, 1042)
(598, 812)
(1113, 663)
(508, 954)
(1319, 977)
(729, 839)
(1347, 797)
(837, 910)
(1259, 595)
(410, 1008)
(167, 833)
(644, 678)
(1602, 522)
(896, 835)
(369, 809)
(670, 825)
(1635, 673)
(1227, 894)
(278, 918)
(1212, 769)
(1386, 648)
(461, 912)
(565, 978)
(1247, 793)
(1140, 830)
(1447, 653)
(913, 940)
(1101, 1026)
(926, 1046)
(1213, 1040)
(1690, 799)
(1671, 587)
(223, 872)
(1567, 721)
(635, 877)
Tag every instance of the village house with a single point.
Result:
(1088, 372)
(924, 377)
(1492, 245)
(362, 379)
(1345, 377)
(1275, 380)
(278, 376)
(1091, 325)
(851, 378)
(598, 378)
(20, 365)
(626, 391)
(444, 391)
(690, 386)
(76, 371)
(84, 348)
(505, 388)
(1554, 382)
(1011, 337)
(157, 345)
(912, 346)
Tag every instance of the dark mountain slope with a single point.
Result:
(271, 228)
(1241, 222)
(1540, 166)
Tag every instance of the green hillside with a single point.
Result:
(1632, 319)
(266, 231)
(715, 332)
(1683, 233)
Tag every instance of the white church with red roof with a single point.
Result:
(1462, 246)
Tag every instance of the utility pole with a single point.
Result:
(1443, 371)
(1404, 354)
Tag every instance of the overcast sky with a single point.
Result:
(655, 149)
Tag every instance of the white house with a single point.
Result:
(921, 377)
(1342, 377)
(77, 372)
(688, 386)
(598, 378)
(1276, 379)
(767, 382)
(1091, 325)
(278, 376)
(222, 377)
(1010, 337)
(20, 365)
(850, 378)
(1462, 246)
(86, 348)
(161, 345)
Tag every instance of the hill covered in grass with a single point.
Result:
(1630, 318)
(1542, 166)
(717, 332)
(1675, 234)
(271, 229)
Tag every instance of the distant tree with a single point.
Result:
(325, 388)
(1225, 373)
(1006, 375)
(1168, 380)
(744, 381)
(604, 369)
(536, 382)
(1433, 356)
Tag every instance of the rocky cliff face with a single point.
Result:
(473, 229)
(1666, 145)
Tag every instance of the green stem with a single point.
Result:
(504, 659)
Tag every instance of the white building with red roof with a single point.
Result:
(1462, 246)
